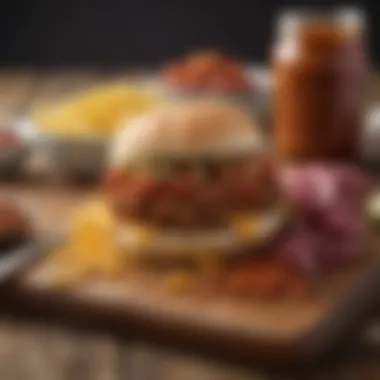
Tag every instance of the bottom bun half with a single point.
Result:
(249, 231)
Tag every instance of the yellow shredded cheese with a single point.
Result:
(91, 248)
(96, 112)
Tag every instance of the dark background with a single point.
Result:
(144, 32)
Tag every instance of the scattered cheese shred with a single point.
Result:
(91, 247)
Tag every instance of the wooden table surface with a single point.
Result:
(31, 350)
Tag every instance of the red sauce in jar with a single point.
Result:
(320, 72)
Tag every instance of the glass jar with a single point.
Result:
(320, 73)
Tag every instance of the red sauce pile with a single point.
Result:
(207, 71)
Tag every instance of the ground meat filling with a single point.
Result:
(193, 195)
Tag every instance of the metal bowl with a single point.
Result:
(69, 157)
(76, 158)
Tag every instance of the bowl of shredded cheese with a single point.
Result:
(75, 132)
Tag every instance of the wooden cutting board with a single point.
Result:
(287, 331)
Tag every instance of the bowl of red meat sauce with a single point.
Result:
(214, 74)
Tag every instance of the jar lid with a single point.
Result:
(350, 18)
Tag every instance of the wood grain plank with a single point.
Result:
(140, 361)
(35, 355)
(79, 363)
(29, 351)
(106, 353)
(8, 348)
(56, 354)
(175, 366)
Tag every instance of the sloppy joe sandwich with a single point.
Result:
(189, 178)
